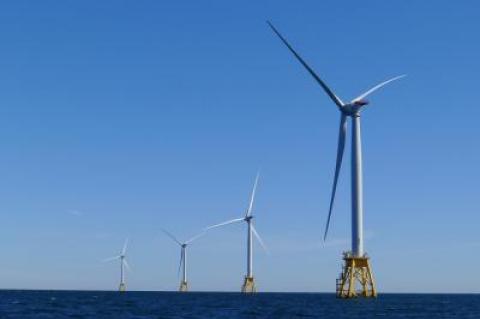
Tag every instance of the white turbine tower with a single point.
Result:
(357, 267)
(249, 282)
(183, 257)
(123, 265)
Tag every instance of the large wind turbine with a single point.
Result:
(357, 267)
(123, 263)
(249, 282)
(183, 257)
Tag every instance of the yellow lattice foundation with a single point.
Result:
(249, 285)
(122, 288)
(183, 286)
(356, 279)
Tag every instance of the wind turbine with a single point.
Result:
(357, 267)
(183, 257)
(249, 282)
(123, 263)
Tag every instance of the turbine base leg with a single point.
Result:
(122, 287)
(356, 278)
(248, 286)
(183, 286)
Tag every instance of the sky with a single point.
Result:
(120, 118)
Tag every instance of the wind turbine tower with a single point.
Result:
(183, 258)
(356, 278)
(123, 264)
(249, 281)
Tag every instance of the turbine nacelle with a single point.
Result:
(185, 243)
(353, 108)
(360, 103)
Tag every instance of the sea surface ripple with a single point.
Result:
(100, 304)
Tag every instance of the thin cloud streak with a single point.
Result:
(75, 212)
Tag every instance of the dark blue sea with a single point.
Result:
(95, 304)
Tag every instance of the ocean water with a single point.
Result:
(95, 304)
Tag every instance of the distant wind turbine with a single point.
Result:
(357, 267)
(123, 263)
(249, 282)
(183, 257)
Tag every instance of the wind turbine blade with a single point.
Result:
(127, 265)
(252, 196)
(376, 87)
(330, 93)
(340, 149)
(226, 223)
(172, 237)
(124, 249)
(110, 259)
(259, 239)
(195, 237)
(180, 263)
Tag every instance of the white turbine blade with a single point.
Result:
(110, 259)
(126, 265)
(330, 93)
(172, 237)
(124, 249)
(259, 239)
(376, 87)
(226, 223)
(195, 237)
(252, 196)
(340, 149)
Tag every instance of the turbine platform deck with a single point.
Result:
(249, 285)
(183, 286)
(356, 279)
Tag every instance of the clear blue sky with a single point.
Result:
(122, 117)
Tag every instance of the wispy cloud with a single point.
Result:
(75, 212)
